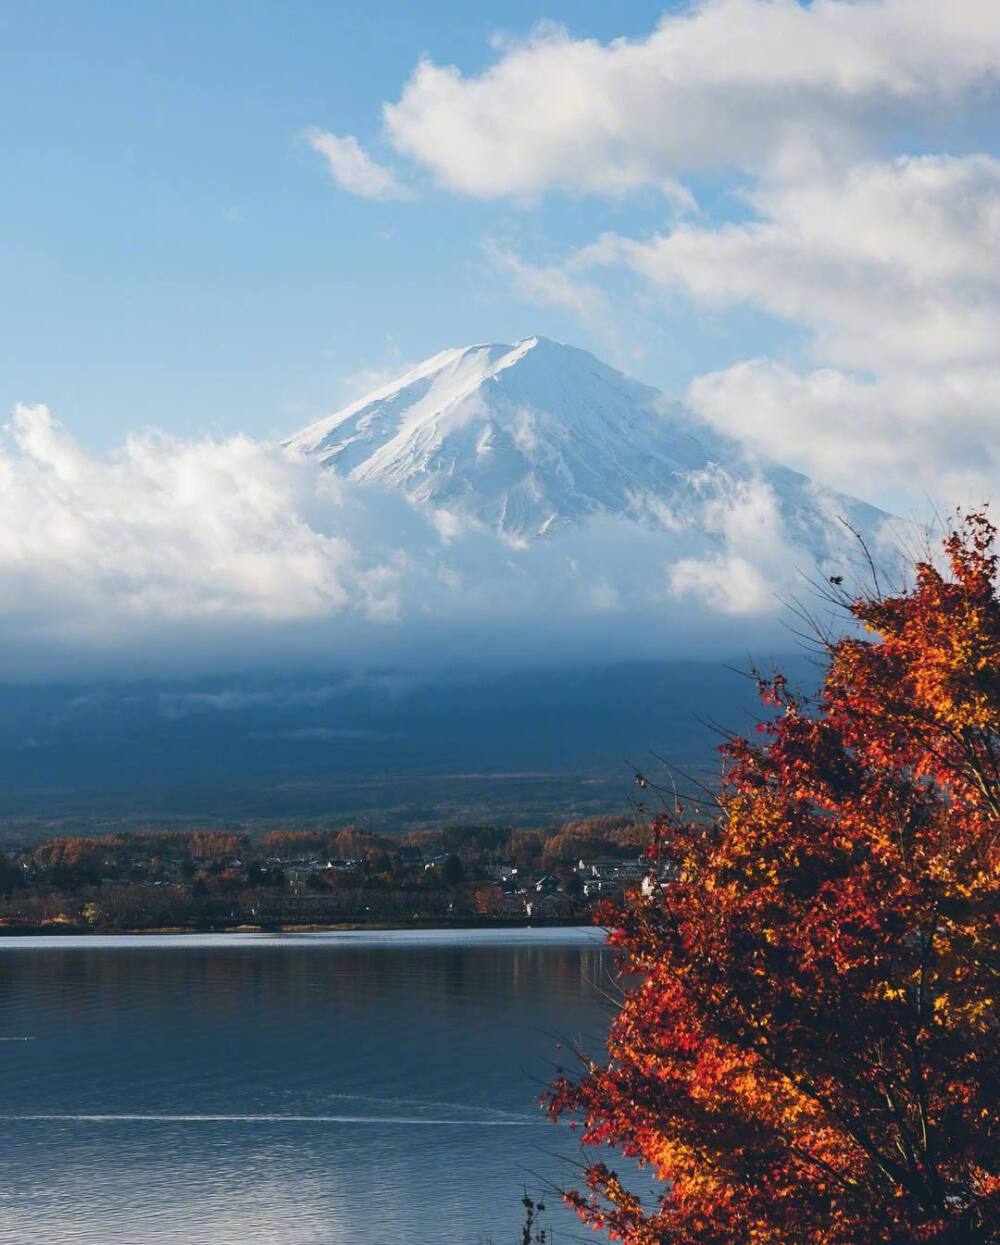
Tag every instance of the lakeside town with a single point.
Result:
(225, 879)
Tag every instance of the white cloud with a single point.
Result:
(236, 553)
(755, 555)
(752, 84)
(352, 168)
(890, 272)
(894, 270)
(551, 286)
(721, 582)
(162, 530)
(932, 433)
(888, 263)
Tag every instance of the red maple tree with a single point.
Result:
(807, 1049)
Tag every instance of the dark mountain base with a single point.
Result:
(388, 750)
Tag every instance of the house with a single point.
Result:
(608, 874)
(342, 865)
(500, 872)
(297, 871)
(611, 869)
(548, 905)
(594, 887)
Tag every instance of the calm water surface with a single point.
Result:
(344, 1089)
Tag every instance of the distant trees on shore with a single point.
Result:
(210, 878)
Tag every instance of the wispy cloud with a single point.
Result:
(551, 286)
(352, 168)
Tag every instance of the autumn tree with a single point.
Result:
(355, 844)
(807, 1047)
(217, 845)
(489, 901)
(291, 843)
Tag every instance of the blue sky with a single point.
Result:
(174, 254)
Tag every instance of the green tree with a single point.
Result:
(452, 871)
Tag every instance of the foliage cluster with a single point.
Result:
(807, 1050)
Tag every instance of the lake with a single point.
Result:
(334, 1088)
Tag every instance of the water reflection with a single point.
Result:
(305, 1091)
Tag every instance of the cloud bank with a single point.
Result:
(892, 271)
(208, 554)
(755, 84)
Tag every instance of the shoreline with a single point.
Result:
(62, 930)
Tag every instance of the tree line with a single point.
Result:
(212, 878)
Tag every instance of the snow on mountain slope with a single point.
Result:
(531, 438)
(500, 504)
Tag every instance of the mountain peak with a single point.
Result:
(529, 437)
(519, 436)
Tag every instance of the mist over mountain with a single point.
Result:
(489, 581)
(388, 749)
(496, 506)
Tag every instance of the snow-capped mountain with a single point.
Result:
(534, 437)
